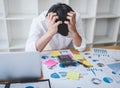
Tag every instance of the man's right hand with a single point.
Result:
(51, 24)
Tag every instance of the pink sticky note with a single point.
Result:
(50, 63)
(70, 55)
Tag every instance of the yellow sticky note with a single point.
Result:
(73, 75)
(85, 62)
(55, 53)
(78, 57)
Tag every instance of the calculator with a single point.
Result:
(66, 60)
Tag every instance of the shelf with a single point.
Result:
(106, 30)
(108, 6)
(42, 6)
(118, 43)
(18, 33)
(21, 7)
(104, 44)
(103, 39)
(14, 50)
(119, 38)
(3, 31)
(1, 9)
(17, 44)
(88, 26)
(1, 16)
(3, 36)
(3, 44)
(85, 16)
(20, 17)
(106, 15)
(119, 35)
(82, 6)
(18, 29)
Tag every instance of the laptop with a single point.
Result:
(20, 65)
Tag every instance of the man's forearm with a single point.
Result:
(43, 41)
(77, 40)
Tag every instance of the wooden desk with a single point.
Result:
(87, 49)
(105, 47)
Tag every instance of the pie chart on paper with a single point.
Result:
(107, 79)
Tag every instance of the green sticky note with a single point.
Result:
(78, 57)
(73, 75)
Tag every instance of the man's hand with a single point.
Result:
(52, 29)
(72, 22)
(52, 25)
(71, 16)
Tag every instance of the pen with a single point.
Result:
(93, 72)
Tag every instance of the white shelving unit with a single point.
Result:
(88, 26)
(2, 9)
(18, 32)
(20, 9)
(106, 30)
(42, 6)
(101, 21)
(82, 6)
(108, 8)
(3, 36)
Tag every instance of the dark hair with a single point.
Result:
(61, 9)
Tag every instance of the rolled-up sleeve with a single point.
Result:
(80, 30)
(34, 35)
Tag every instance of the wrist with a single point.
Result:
(74, 33)
(50, 34)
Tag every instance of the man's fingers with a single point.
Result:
(59, 22)
(70, 19)
(71, 13)
(67, 22)
(52, 15)
(54, 19)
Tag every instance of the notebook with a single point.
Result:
(20, 65)
(29, 84)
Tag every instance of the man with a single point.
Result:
(58, 28)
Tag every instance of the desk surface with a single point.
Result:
(87, 78)
(105, 47)
(87, 49)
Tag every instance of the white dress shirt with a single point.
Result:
(39, 28)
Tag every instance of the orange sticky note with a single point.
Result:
(85, 62)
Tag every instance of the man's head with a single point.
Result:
(61, 10)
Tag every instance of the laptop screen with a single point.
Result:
(20, 65)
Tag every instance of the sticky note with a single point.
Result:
(78, 57)
(70, 55)
(50, 63)
(73, 75)
(85, 62)
(55, 53)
